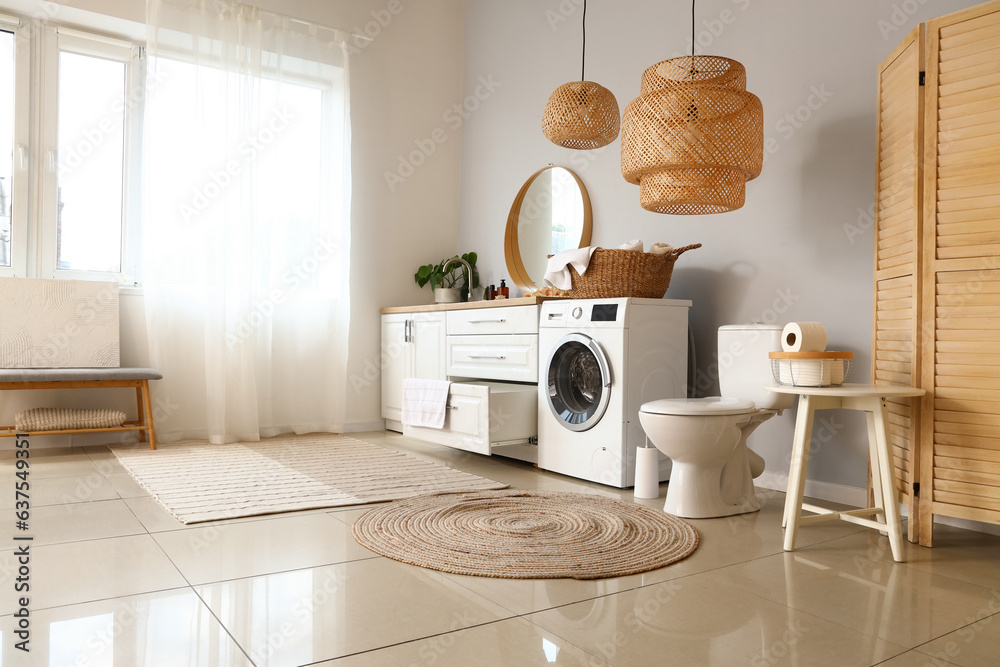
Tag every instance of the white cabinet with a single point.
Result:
(475, 346)
(413, 346)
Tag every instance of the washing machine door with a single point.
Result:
(578, 378)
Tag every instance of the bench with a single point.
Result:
(16, 379)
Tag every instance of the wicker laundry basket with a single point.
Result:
(616, 273)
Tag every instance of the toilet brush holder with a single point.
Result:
(647, 472)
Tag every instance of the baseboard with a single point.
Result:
(836, 493)
(358, 427)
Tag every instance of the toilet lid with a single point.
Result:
(713, 405)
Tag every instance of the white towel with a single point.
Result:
(632, 245)
(661, 248)
(425, 402)
(557, 272)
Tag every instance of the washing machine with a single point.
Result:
(599, 361)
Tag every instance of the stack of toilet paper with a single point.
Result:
(808, 337)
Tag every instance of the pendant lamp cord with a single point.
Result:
(583, 57)
(692, 38)
(692, 29)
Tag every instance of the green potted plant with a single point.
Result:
(452, 284)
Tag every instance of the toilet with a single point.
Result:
(706, 438)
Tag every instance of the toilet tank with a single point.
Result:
(745, 368)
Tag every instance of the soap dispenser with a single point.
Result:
(504, 290)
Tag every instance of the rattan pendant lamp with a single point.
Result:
(694, 136)
(582, 114)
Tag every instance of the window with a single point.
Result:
(68, 153)
(6, 141)
(91, 163)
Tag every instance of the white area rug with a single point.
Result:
(203, 482)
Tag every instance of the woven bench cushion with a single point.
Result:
(78, 374)
(55, 419)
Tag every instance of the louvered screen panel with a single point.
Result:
(968, 138)
(896, 203)
(967, 392)
(893, 362)
(898, 214)
(960, 416)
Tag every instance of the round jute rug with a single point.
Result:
(526, 534)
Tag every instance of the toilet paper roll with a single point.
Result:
(647, 472)
(806, 372)
(803, 337)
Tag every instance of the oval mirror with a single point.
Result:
(551, 213)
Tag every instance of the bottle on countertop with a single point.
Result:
(491, 292)
(504, 290)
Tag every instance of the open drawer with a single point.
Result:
(487, 418)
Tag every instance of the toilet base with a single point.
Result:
(695, 492)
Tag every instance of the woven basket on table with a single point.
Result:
(614, 273)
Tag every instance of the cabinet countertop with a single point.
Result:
(466, 305)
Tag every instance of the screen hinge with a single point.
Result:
(923, 78)
(916, 489)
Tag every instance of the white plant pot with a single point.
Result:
(447, 295)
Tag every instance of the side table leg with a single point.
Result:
(797, 470)
(889, 498)
(876, 466)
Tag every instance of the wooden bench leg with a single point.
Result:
(148, 414)
(140, 410)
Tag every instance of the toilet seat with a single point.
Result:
(713, 405)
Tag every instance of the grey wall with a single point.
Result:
(801, 248)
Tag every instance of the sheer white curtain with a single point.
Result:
(246, 195)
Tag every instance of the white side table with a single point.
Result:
(871, 399)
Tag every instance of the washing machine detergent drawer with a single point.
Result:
(487, 418)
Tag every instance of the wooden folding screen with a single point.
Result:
(898, 215)
(960, 274)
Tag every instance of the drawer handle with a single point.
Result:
(500, 321)
(476, 356)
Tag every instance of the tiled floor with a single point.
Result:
(115, 580)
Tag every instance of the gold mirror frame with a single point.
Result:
(512, 250)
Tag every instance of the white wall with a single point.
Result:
(801, 248)
(402, 84)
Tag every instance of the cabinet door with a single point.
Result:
(428, 348)
(395, 357)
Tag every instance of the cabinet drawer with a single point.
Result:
(500, 357)
(502, 320)
(482, 416)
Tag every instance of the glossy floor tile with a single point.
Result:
(85, 571)
(975, 644)
(172, 627)
(696, 621)
(73, 522)
(234, 550)
(297, 617)
(117, 581)
(501, 644)
(63, 490)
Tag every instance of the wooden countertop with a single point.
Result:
(499, 303)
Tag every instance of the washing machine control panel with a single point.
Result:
(586, 312)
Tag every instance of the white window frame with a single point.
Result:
(34, 221)
(54, 41)
(21, 173)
